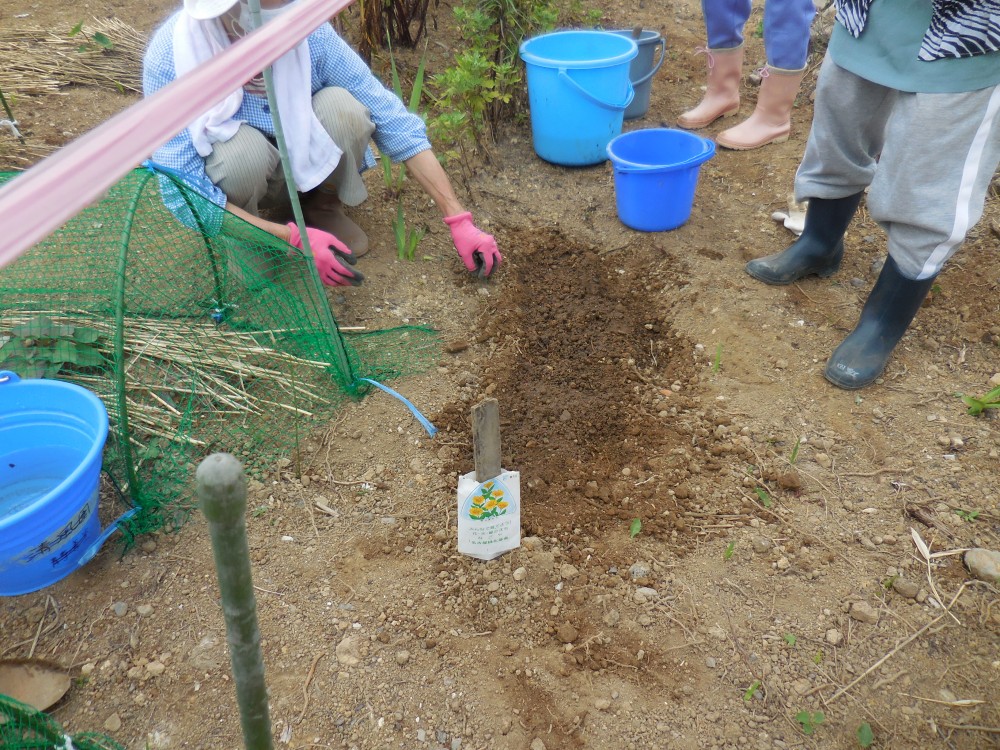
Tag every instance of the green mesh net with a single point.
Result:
(23, 727)
(199, 332)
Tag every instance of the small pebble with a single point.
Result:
(156, 668)
(761, 544)
(567, 633)
(984, 564)
(119, 608)
(638, 570)
(568, 572)
(906, 588)
(863, 612)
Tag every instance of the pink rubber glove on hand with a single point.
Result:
(477, 249)
(326, 248)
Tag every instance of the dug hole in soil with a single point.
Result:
(773, 597)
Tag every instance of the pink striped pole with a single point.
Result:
(36, 203)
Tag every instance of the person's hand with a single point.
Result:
(326, 250)
(477, 249)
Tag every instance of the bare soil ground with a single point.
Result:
(639, 376)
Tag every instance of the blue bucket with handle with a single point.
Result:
(656, 173)
(52, 437)
(578, 91)
(642, 69)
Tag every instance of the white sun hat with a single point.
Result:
(205, 9)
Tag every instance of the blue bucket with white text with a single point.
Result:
(656, 173)
(52, 437)
(578, 91)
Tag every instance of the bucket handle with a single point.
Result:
(662, 44)
(607, 105)
(6, 376)
(693, 161)
(94, 548)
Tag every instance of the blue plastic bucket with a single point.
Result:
(642, 69)
(656, 173)
(52, 437)
(578, 91)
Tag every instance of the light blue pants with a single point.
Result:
(928, 158)
(786, 28)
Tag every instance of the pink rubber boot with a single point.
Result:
(722, 96)
(771, 120)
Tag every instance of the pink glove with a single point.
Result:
(477, 249)
(326, 249)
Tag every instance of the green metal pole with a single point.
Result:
(10, 116)
(343, 363)
(135, 489)
(222, 492)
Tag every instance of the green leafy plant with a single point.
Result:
(866, 737)
(730, 549)
(809, 720)
(717, 362)
(764, 496)
(967, 515)
(635, 527)
(484, 83)
(790, 639)
(978, 405)
(795, 451)
(97, 41)
(42, 348)
(749, 693)
(407, 238)
(818, 657)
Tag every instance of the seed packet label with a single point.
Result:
(489, 515)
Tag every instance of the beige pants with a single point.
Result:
(247, 167)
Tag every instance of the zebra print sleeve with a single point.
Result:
(962, 28)
(853, 14)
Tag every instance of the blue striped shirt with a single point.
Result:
(399, 134)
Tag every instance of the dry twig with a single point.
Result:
(305, 687)
(899, 647)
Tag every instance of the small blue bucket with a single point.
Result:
(578, 91)
(52, 437)
(642, 69)
(656, 173)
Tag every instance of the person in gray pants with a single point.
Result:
(908, 107)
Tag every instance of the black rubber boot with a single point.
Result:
(818, 250)
(887, 313)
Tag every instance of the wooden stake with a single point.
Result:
(486, 439)
(222, 492)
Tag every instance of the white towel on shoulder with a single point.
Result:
(312, 152)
